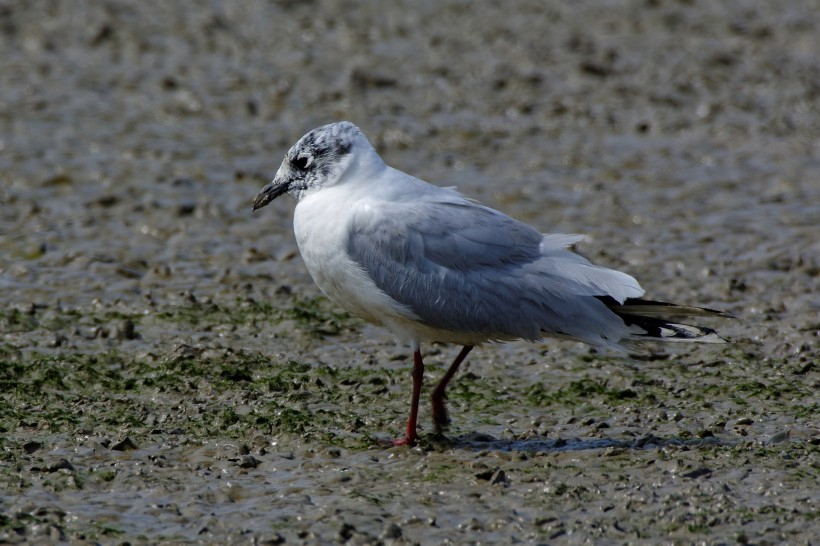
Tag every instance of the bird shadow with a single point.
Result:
(542, 444)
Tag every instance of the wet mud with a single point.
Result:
(169, 373)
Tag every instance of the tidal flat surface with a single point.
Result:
(169, 373)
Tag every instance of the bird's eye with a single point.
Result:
(303, 161)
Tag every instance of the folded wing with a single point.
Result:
(463, 267)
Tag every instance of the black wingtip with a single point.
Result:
(661, 330)
(652, 317)
(644, 307)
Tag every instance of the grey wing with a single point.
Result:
(463, 267)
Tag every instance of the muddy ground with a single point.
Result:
(169, 373)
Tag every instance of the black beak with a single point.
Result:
(269, 193)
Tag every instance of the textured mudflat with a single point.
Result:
(168, 372)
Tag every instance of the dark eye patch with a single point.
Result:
(301, 162)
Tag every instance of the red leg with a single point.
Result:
(418, 376)
(440, 416)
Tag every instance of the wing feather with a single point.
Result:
(467, 268)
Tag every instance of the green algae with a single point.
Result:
(187, 396)
(317, 315)
(193, 388)
(183, 390)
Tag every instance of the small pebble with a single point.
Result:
(126, 330)
(391, 532)
(58, 340)
(62, 464)
(248, 461)
(32, 446)
(499, 477)
(126, 444)
(779, 438)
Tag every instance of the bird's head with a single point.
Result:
(317, 160)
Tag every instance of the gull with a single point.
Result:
(431, 265)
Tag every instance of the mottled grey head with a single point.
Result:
(318, 159)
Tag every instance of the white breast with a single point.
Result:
(321, 223)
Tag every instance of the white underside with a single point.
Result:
(320, 225)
